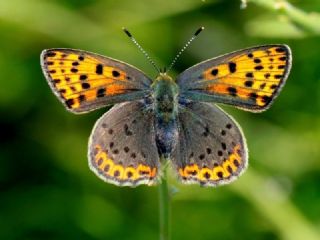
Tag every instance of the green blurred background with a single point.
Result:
(47, 189)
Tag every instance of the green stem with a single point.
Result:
(164, 207)
(307, 20)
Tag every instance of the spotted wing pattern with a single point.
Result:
(122, 148)
(249, 79)
(211, 149)
(85, 81)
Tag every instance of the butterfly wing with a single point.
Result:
(85, 81)
(122, 148)
(249, 79)
(211, 149)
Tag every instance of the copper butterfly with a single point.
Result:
(167, 119)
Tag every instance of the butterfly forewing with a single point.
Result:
(85, 81)
(211, 148)
(249, 78)
(122, 148)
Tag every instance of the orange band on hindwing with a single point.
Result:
(210, 176)
(121, 174)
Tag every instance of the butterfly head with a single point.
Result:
(164, 84)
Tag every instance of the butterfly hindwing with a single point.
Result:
(249, 79)
(211, 149)
(85, 81)
(122, 148)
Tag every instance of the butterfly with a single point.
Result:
(166, 119)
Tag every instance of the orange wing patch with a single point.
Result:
(230, 167)
(80, 78)
(254, 76)
(119, 174)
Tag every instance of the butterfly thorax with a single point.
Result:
(165, 95)
(165, 104)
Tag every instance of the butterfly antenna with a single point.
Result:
(141, 49)
(185, 47)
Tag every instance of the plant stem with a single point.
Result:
(306, 20)
(164, 207)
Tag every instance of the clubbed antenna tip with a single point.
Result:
(127, 32)
(199, 31)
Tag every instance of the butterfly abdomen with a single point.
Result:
(166, 136)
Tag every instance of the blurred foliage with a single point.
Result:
(47, 189)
